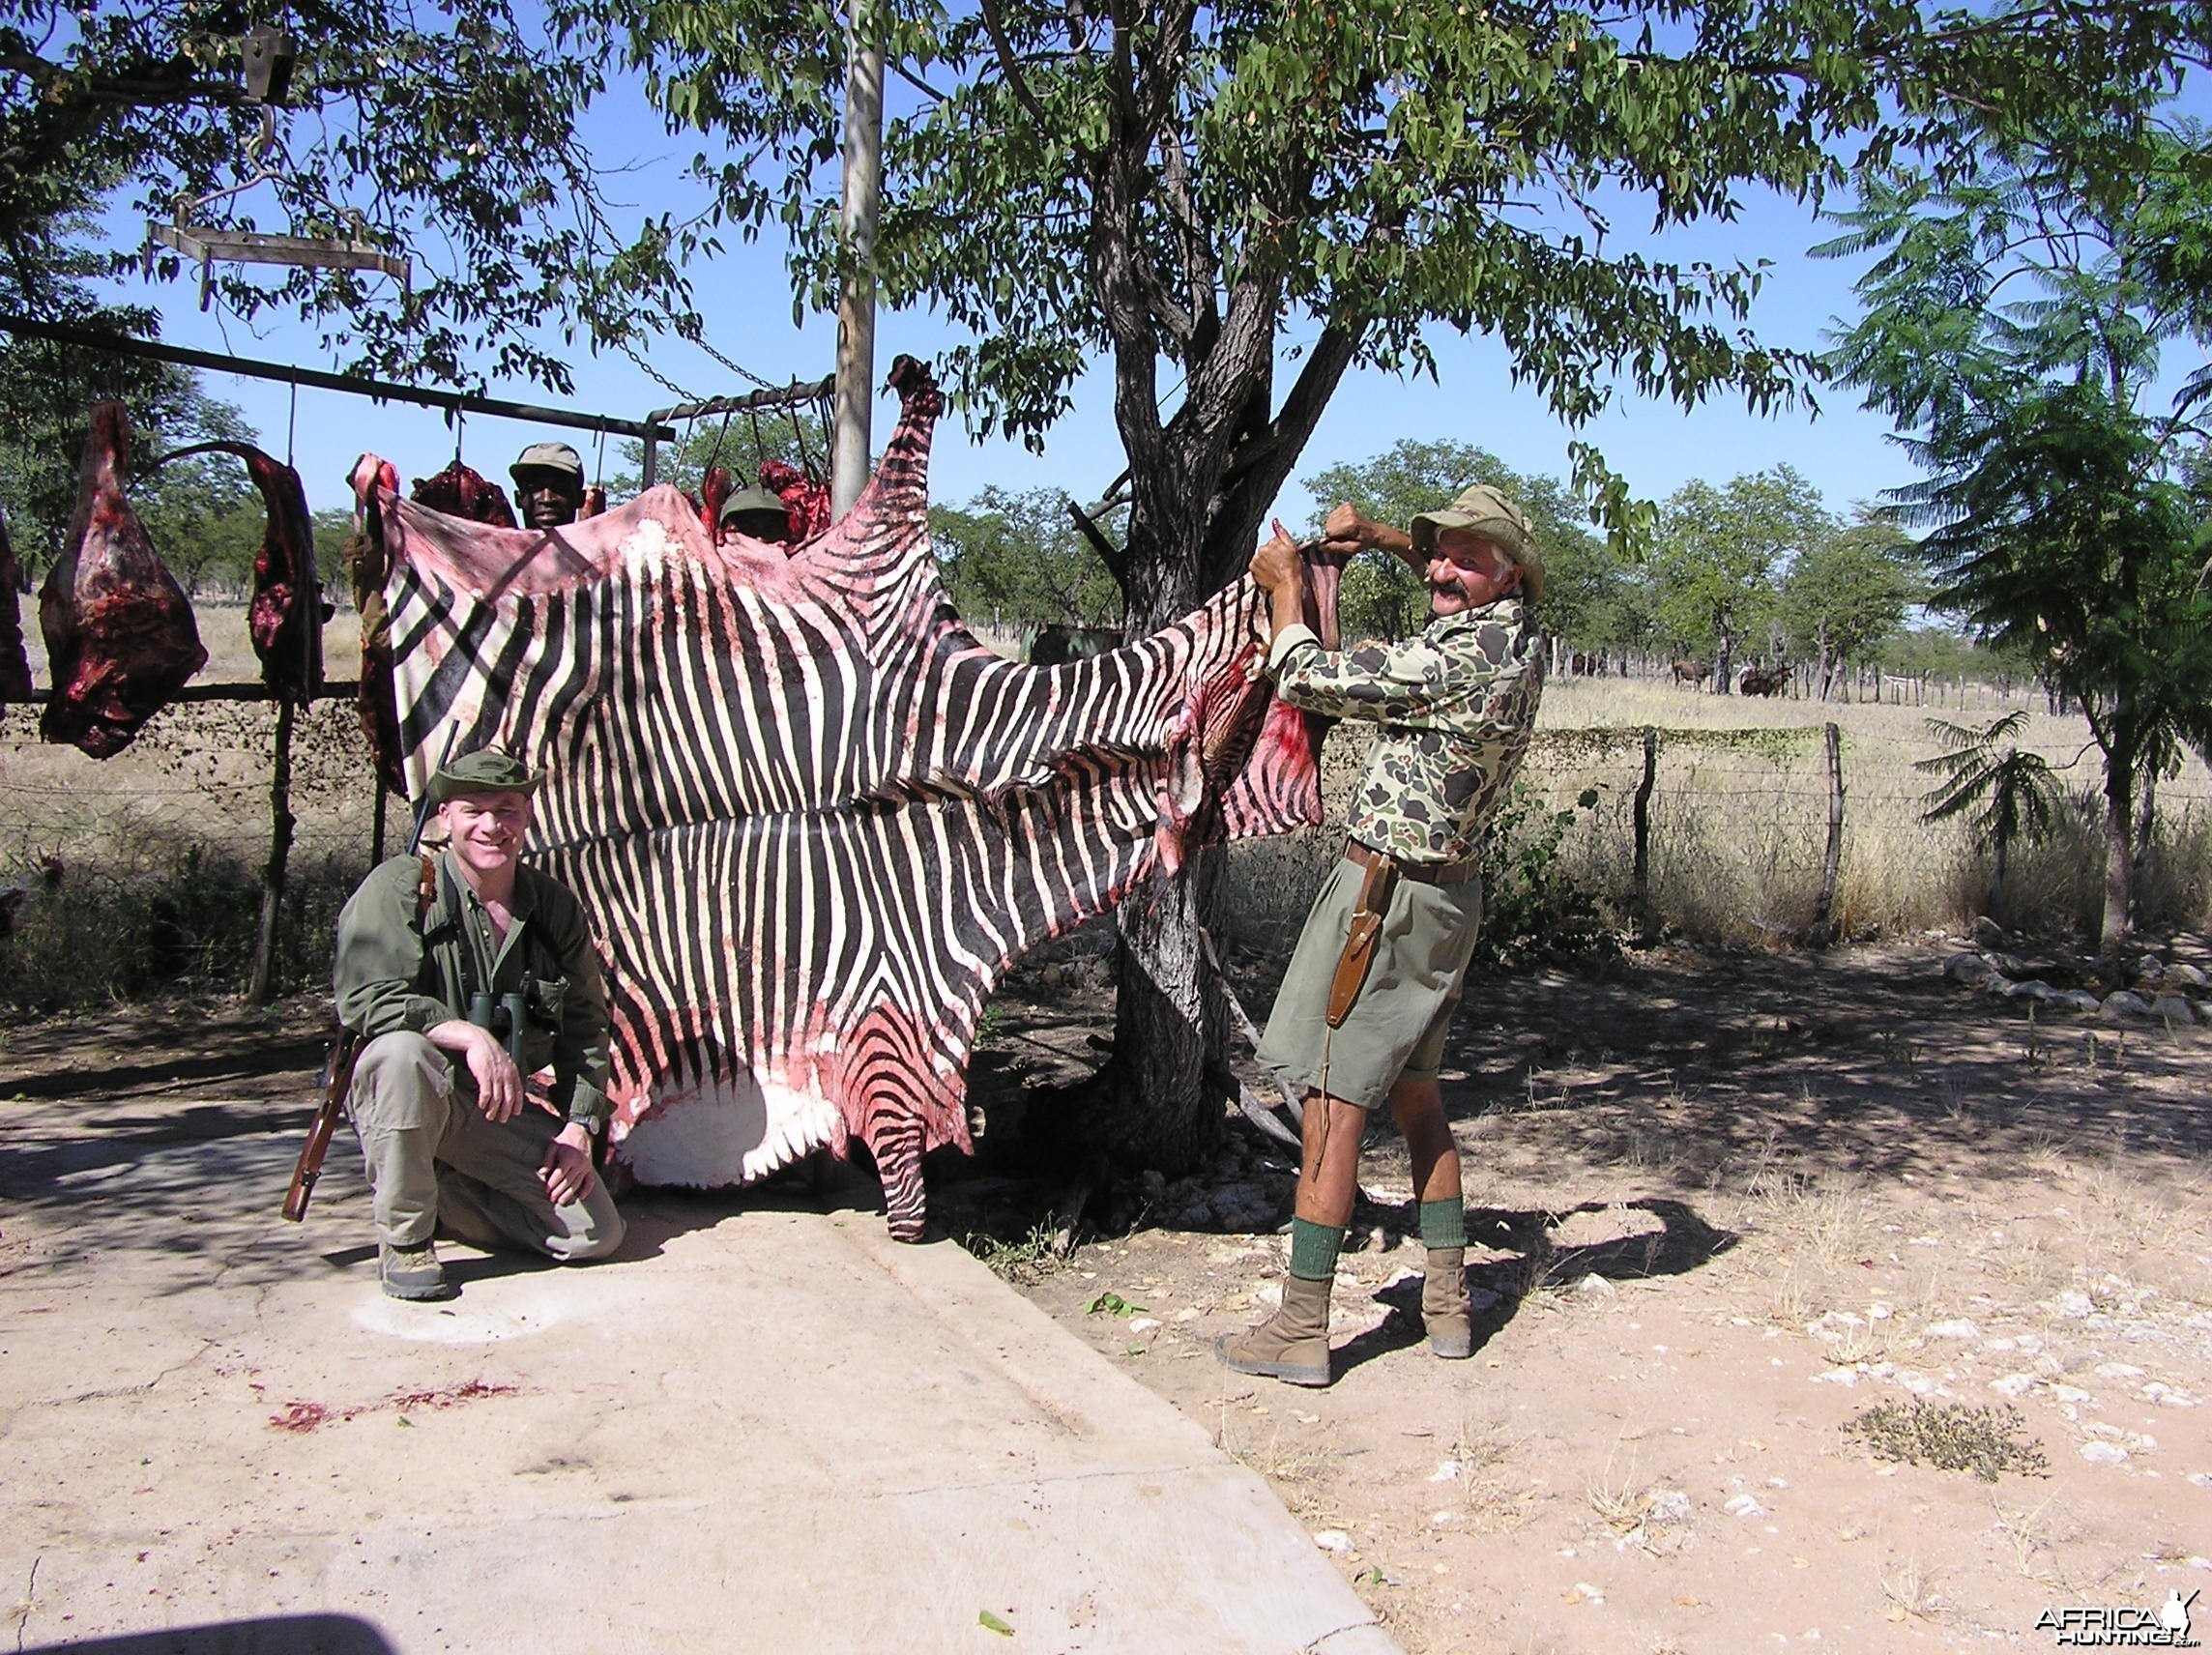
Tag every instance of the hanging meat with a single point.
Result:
(15, 665)
(806, 500)
(713, 489)
(372, 479)
(459, 492)
(594, 503)
(288, 614)
(120, 636)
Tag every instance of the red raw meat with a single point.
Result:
(713, 489)
(120, 636)
(594, 503)
(288, 614)
(15, 665)
(372, 479)
(459, 492)
(808, 500)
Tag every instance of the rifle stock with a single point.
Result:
(337, 1077)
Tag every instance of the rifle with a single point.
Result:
(338, 1059)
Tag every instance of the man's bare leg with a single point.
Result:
(1293, 1344)
(1418, 1107)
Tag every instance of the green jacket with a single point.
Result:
(391, 974)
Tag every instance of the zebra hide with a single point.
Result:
(812, 819)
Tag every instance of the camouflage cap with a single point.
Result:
(1486, 511)
(487, 770)
(548, 456)
(746, 501)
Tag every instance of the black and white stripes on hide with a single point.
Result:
(812, 819)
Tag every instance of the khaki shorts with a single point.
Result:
(1396, 1029)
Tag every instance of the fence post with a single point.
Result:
(1823, 926)
(281, 822)
(1643, 821)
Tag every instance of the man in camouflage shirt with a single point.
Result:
(1456, 706)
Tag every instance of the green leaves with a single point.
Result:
(2013, 326)
(1112, 1304)
(454, 133)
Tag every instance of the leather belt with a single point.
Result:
(1420, 873)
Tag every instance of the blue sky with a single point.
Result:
(748, 305)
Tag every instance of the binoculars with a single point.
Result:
(503, 1018)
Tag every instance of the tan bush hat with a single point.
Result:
(557, 457)
(487, 770)
(1486, 511)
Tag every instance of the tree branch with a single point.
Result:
(1016, 82)
(1112, 556)
(126, 90)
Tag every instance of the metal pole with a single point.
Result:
(381, 390)
(856, 303)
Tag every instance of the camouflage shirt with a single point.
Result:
(1457, 705)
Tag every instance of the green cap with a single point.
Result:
(1486, 511)
(487, 770)
(548, 456)
(746, 501)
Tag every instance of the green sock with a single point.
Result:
(1314, 1248)
(1443, 1224)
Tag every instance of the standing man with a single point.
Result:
(469, 974)
(548, 486)
(1377, 973)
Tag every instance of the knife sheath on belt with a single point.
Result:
(1359, 939)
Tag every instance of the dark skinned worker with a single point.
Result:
(548, 486)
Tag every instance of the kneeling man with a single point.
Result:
(1369, 996)
(468, 973)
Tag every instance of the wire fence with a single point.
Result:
(1762, 833)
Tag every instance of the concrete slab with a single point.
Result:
(753, 1430)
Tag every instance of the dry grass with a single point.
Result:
(1499, 1497)
(1739, 833)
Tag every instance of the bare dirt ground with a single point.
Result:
(1723, 1208)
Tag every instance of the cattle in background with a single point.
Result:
(1759, 679)
(1693, 673)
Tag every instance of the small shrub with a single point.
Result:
(1533, 905)
(1951, 1437)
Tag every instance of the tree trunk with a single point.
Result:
(2119, 853)
(1170, 1016)
(2145, 825)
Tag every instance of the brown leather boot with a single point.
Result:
(1444, 1304)
(1292, 1344)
